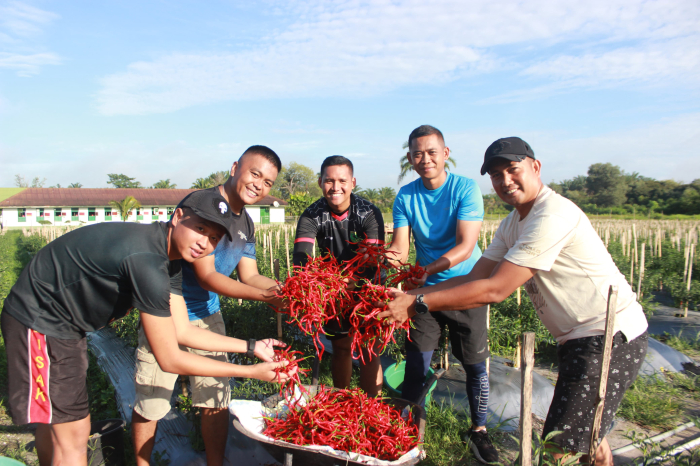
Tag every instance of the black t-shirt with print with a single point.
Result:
(334, 233)
(86, 278)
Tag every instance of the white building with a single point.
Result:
(36, 207)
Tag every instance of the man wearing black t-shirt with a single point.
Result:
(90, 277)
(334, 221)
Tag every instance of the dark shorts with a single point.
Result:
(573, 404)
(468, 333)
(46, 375)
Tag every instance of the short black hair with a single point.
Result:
(266, 152)
(336, 160)
(424, 130)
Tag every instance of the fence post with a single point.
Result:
(526, 366)
(604, 368)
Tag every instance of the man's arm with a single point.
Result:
(504, 280)
(195, 337)
(400, 244)
(248, 273)
(162, 337)
(466, 237)
(211, 280)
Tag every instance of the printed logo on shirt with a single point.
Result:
(530, 250)
(243, 236)
(536, 297)
(223, 207)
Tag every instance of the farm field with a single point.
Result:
(658, 257)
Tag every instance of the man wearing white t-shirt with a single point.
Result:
(548, 244)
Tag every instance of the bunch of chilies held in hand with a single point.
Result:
(345, 419)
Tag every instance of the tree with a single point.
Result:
(123, 181)
(75, 185)
(214, 179)
(125, 206)
(407, 167)
(296, 178)
(20, 182)
(164, 184)
(606, 185)
(298, 203)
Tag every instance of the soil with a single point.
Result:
(16, 442)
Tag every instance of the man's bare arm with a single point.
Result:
(195, 337)
(400, 244)
(211, 280)
(160, 332)
(248, 272)
(504, 280)
(481, 270)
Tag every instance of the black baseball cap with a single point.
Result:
(210, 205)
(513, 149)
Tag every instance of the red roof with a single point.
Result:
(93, 197)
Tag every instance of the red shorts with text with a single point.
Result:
(46, 375)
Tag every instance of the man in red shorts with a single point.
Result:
(90, 277)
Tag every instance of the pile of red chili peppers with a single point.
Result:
(318, 293)
(287, 387)
(346, 420)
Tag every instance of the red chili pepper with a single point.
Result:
(287, 387)
(346, 420)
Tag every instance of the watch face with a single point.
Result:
(421, 308)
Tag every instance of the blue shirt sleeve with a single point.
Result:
(471, 203)
(249, 251)
(399, 211)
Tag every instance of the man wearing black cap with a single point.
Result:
(89, 277)
(252, 177)
(548, 244)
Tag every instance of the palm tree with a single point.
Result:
(164, 184)
(75, 185)
(386, 197)
(125, 206)
(407, 167)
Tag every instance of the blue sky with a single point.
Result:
(173, 89)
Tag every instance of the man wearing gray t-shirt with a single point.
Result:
(548, 244)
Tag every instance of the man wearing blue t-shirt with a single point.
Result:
(445, 212)
(251, 178)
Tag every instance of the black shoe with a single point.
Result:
(481, 446)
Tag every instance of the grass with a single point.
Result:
(652, 402)
(688, 346)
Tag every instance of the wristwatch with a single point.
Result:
(251, 348)
(421, 307)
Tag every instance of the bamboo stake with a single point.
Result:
(527, 363)
(286, 249)
(276, 268)
(272, 257)
(604, 368)
(634, 232)
(518, 349)
(690, 274)
(641, 274)
(631, 270)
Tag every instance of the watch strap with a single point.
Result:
(251, 348)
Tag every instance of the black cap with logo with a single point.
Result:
(513, 149)
(210, 205)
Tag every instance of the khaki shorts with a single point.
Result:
(154, 387)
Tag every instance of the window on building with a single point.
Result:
(57, 215)
(74, 214)
(41, 212)
(154, 213)
(139, 214)
(91, 214)
(108, 213)
(21, 215)
(170, 211)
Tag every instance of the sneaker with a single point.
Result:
(481, 446)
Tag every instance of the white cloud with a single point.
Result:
(21, 26)
(27, 65)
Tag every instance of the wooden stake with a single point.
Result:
(690, 275)
(286, 249)
(604, 369)
(631, 270)
(518, 349)
(527, 363)
(276, 268)
(641, 274)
